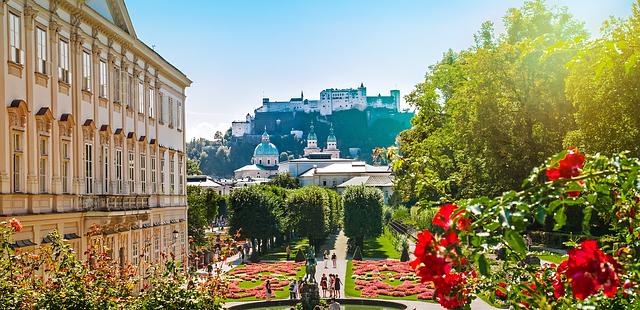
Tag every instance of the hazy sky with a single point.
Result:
(238, 51)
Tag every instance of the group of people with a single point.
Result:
(296, 287)
(331, 285)
(325, 257)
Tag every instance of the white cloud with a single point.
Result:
(205, 130)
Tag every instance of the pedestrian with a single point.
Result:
(296, 288)
(267, 287)
(334, 259)
(325, 257)
(332, 283)
(337, 286)
(323, 285)
(292, 289)
(288, 252)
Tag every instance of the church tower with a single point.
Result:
(312, 142)
(332, 144)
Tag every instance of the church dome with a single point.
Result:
(331, 137)
(266, 149)
(312, 134)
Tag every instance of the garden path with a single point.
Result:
(338, 246)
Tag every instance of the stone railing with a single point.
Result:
(114, 202)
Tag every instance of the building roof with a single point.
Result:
(312, 134)
(331, 137)
(256, 168)
(346, 167)
(367, 180)
(266, 149)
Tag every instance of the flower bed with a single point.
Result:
(248, 281)
(387, 279)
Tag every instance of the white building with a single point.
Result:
(264, 163)
(91, 130)
(204, 181)
(334, 174)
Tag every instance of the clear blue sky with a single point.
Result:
(238, 51)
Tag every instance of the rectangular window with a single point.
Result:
(156, 245)
(132, 171)
(152, 103)
(42, 165)
(131, 89)
(105, 171)
(41, 50)
(140, 97)
(125, 88)
(15, 52)
(88, 168)
(17, 162)
(65, 167)
(143, 173)
(180, 176)
(171, 112)
(179, 115)
(63, 62)
(118, 167)
(116, 84)
(103, 79)
(135, 254)
(86, 71)
(154, 184)
(162, 167)
(172, 171)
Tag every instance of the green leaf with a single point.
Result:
(515, 241)
(541, 215)
(560, 217)
(483, 265)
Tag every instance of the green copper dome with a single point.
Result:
(331, 137)
(312, 134)
(265, 148)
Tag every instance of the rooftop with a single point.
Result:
(376, 181)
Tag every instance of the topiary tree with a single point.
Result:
(404, 257)
(309, 211)
(362, 213)
(357, 254)
(252, 214)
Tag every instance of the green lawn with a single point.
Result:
(280, 253)
(380, 247)
(551, 257)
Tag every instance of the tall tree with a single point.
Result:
(309, 208)
(362, 213)
(251, 214)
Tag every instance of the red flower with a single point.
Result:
(588, 269)
(449, 291)
(15, 224)
(567, 167)
(444, 219)
(501, 290)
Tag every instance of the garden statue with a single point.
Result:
(311, 265)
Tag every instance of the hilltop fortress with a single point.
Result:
(331, 100)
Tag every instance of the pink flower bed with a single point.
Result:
(369, 279)
(278, 273)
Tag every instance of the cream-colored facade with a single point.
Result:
(91, 130)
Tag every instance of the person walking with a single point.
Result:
(267, 287)
(288, 252)
(334, 259)
(325, 257)
(296, 289)
(292, 289)
(337, 286)
(334, 305)
(323, 285)
(332, 283)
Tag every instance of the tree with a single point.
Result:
(488, 114)
(309, 208)
(193, 167)
(203, 208)
(285, 180)
(251, 214)
(362, 213)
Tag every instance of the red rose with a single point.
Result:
(588, 269)
(15, 224)
(567, 167)
(444, 216)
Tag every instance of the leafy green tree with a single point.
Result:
(251, 214)
(488, 114)
(203, 208)
(285, 180)
(603, 86)
(362, 213)
(309, 211)
(193, 167)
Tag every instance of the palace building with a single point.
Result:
(91, 131)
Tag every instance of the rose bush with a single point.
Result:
(458, 256)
